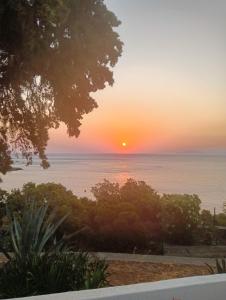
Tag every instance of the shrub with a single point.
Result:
(127, 218)
(41, 264)
(180, 217)
(55, 273)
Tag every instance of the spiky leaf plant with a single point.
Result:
(54, 273)
(40, 265)
(31, 232)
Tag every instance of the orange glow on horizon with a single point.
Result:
(159, 95)
(111, 139)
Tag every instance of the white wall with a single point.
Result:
(211, 287)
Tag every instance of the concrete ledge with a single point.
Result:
(211, 287)
(178, 260)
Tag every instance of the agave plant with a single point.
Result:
(31, 232)
(40, 264)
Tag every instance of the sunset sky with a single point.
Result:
(169, 93)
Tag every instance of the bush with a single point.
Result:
(127, 218)
(180, 217)
(41, 264)
(55, 273)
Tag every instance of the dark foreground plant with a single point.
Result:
(44, 274)
(220, 267)
(40, 265)
(33, 232)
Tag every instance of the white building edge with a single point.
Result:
(211, 287)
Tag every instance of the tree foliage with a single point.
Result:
(59, 199)
(5, 159)
(53, 55)
(181, 215)
(126, 218)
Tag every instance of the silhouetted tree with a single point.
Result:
(53, 55)
(5, 159)
(126, 218)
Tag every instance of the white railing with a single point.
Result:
(211, 287)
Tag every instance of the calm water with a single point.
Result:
(193, 174)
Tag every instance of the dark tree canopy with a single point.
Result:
(53, 54)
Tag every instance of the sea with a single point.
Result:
(201, 174)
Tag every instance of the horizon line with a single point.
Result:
(219, 152)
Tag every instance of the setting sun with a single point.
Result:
(123, 104)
